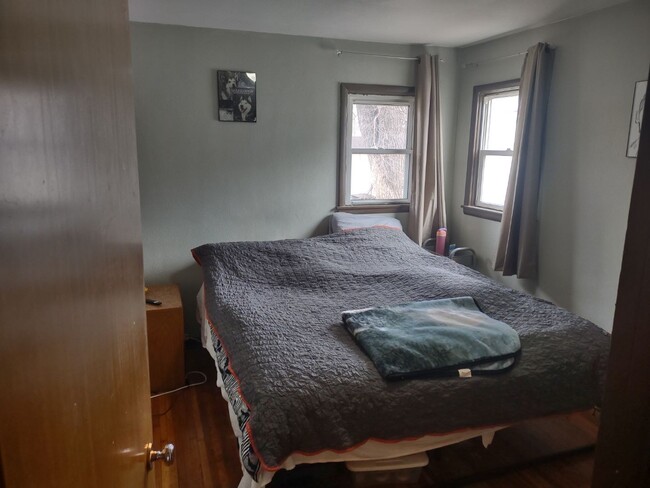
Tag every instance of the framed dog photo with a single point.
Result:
(237, 96)
(638, 103)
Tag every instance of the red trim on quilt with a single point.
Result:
(392, 441)
(198, 261)
(382, 226)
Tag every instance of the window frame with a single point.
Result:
(476, 157)
(349, 94)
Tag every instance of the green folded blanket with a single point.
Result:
(437, 337)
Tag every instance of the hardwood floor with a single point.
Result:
(196, 421)
(525, 456)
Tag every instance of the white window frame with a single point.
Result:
(373, 95)
(476, 159)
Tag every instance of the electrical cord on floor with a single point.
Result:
(173, 402)
(189, 385)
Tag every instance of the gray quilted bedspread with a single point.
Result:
(277, 309)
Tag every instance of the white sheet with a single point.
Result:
(368, 451)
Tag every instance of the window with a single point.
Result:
(376, 148)
(494, 119)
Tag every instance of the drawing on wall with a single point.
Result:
(237, 96)
(636, 118)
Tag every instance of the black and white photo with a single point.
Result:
(237, 96)
(636, 118)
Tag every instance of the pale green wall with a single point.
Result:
(208, 181)
(587, 180)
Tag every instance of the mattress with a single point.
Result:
(304, 387)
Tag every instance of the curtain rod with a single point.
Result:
(339, 53)
(474, 64)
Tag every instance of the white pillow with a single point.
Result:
(341, 221)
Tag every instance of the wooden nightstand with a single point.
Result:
(165, 338)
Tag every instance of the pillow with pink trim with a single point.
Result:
(341, 221)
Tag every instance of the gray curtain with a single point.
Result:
(518, 243)
(427, 212)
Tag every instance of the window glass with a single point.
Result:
(379, 126)
(379, 177)
(494, 180)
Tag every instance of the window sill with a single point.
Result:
(378, 208)
(483, 213)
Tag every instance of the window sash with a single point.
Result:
(476, 160)
(407, 180)
(380, 151)
(352, 99)
(485, 111)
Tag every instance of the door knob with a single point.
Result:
(166, 455)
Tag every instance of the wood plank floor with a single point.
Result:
(548, 453)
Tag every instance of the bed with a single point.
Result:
(300, 390)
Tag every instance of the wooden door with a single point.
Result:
(74, 386)
(623, 448)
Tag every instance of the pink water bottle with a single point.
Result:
(441, 240)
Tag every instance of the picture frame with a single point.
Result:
(636, 117)
(237, 96)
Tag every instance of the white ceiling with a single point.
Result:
(449, 23)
